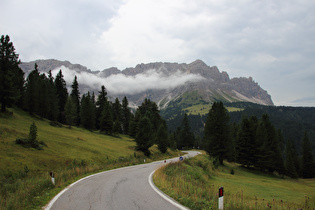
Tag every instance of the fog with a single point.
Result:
(123, 84)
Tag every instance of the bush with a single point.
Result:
(232, 171)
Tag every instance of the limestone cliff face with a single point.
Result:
(172, 80)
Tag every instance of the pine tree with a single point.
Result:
(62, 93)
(186, 136)
(245, 144)
(32, 136)
(290, 164)
(269, 154)
(32, 90)
(117, 127)
(106, 120)
(144, 136)
(125, 115)
(308, 164)
(100, 105)
(217, 132)
(162, 139)
(53, 101)
(87, 112)
(11, 76)
(117, 113)
(70, 111)
(75, 94)
(133, 124)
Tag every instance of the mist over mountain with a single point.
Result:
(160, 82)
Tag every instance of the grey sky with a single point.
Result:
(271, 40)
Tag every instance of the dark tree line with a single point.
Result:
(255, 143)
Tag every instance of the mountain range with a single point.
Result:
(160, 82)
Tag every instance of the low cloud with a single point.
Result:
(123, 84)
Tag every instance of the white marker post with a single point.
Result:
(52, 177)
(221, 198)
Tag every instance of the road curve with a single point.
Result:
(124, 188)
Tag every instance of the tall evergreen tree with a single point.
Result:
(308, 164)
(245, 144)
(290, 163)
(100, 105)
(125, 115)
(71, 111)
(133, 124)
(32, 89)
(269, 154)
(11, 76)
(53, 101)
(186, 136)
(87, 112)
(75, 95)
(150, 109)
(62, 93)
(162, 139)
(106, 120)
(144, 136)
(117, 112)
(217, 132)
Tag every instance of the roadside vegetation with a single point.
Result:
(195, 183)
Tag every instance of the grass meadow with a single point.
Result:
(195, 183)
(203, 109)
(71, 154)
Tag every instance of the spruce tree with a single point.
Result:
(290, 163)
(32, 136)
(125, 115)
(308, 164)
(53, 101)
(245, 144)
(217, 132)
(87, 112)
(101, 102)
(162, 139)
(62, 93)
(75, 95)
(71, 111)
(106, 120)
(117, 112)
(133, 124)
(11, 76)
(32, 89)
(144, 136)
(186, 136)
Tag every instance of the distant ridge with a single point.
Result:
(160, 82)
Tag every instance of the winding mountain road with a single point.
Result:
(124, 188)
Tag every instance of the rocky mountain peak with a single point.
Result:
(160, 82)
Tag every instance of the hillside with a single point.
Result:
(63, 145)
(159, 82)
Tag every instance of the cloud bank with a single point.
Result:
(123, 84)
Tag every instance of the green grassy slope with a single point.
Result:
(195, 183)
(63, 144)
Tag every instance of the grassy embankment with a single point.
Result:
(195, 183)
(70, 153)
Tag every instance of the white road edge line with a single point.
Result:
(166, 197)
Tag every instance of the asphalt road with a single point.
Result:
(124, 188)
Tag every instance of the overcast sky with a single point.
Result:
(272, 40)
